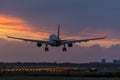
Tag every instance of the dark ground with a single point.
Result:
(55, 78)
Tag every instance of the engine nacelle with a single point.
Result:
(39, 44)
(70, 44)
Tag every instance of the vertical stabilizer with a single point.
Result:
(58, 31)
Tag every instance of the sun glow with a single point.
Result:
(9, 19)
(18, 28)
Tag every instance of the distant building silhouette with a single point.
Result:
(103, 61)
(115, 61)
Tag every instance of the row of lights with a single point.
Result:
(34, 69)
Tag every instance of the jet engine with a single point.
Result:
(70, 44)
(39, 44)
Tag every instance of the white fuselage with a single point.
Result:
(55, 41)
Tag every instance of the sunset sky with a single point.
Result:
(79, 19)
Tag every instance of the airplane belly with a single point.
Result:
(56, 44)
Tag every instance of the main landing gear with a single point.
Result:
(64, 49)
(46, 48)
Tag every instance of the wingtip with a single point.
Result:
(7, 36)
(105, 36)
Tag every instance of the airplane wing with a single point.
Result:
(83, 40)
(30, 40)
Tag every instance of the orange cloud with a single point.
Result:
(9, 19)
(111, 40)
(18, 27)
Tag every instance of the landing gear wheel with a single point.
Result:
(64, 49)
(46, 49)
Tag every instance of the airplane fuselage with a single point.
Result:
(55, 41)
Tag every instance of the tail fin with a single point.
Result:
(58, 31)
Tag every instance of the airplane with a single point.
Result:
(56, 41)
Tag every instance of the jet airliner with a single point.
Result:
(56, 41)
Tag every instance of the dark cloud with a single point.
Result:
(78, 14)
(14, 51)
